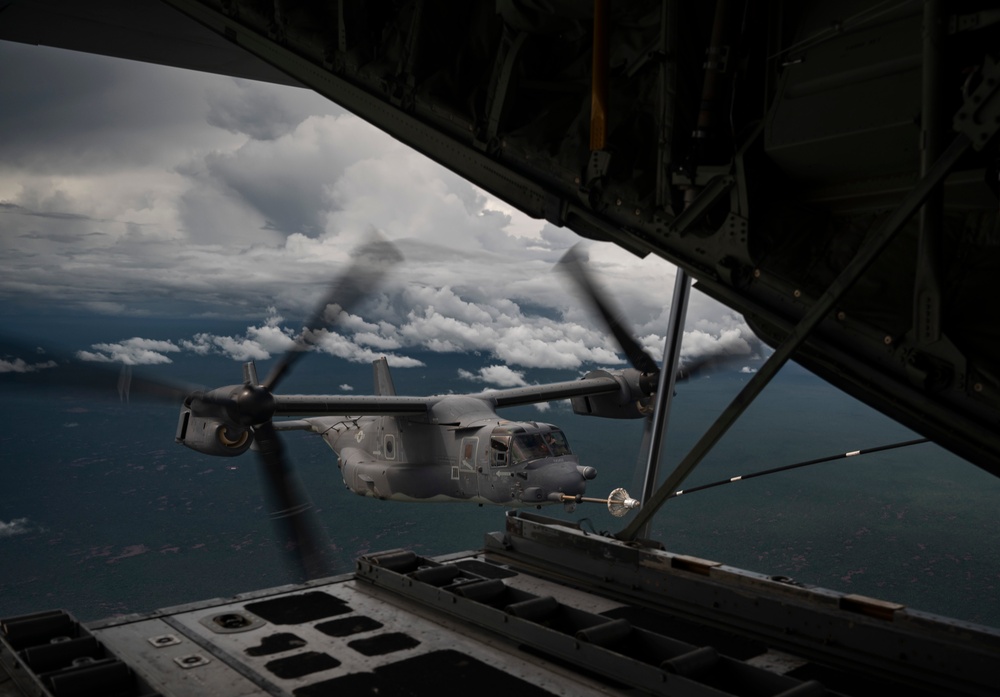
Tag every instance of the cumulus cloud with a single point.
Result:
(499, 375)
(258, 343)
(728, 342)
(445, 320)
(17, 526)
(19, 365)
(343, 347)
(239, 349)
(243, 107)
(134, 351)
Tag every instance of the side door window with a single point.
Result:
(467, 456)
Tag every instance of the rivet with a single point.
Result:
(841, 315)
(978, 387)
(638, 211)
(756, 273)
(618, 202)
(576, 180)
(887, 340)
(797, 293)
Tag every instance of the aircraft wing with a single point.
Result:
(349, 405)
(832, 179)
(533, 394)
(395, 405)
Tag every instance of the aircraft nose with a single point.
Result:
(588, 473)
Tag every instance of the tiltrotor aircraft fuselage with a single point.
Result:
(439, 448)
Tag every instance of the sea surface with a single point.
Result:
(102, 514)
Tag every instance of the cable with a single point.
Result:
(817, 461)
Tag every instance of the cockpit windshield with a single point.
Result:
(531, 446)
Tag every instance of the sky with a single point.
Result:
(129, 189)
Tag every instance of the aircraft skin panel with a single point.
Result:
(506, 617)
(141, 30)
(304, 405)
(433, 462)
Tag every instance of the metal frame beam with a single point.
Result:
(869, 251)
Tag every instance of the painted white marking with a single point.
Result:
(736, 479)
(853, 453)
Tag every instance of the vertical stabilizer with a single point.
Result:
(383, 380)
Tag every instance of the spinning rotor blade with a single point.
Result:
(371, 263)
(305, 542)
(248, 405)
(573, 266)
(692, 367)
(293, 512)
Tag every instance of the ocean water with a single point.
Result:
(101, 513)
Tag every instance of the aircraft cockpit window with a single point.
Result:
(532, 446)
(556, 440)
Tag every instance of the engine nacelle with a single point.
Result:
(631, 401)
(212, 435)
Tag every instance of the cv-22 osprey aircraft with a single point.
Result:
(439, 448)
(405, 448)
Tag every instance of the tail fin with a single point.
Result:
(383, 380)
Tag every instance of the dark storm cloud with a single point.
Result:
(62, 111)
(6, 207)
(132, 189)
(260, 114)
(67, 112)
(290, 195)
(292, 181)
